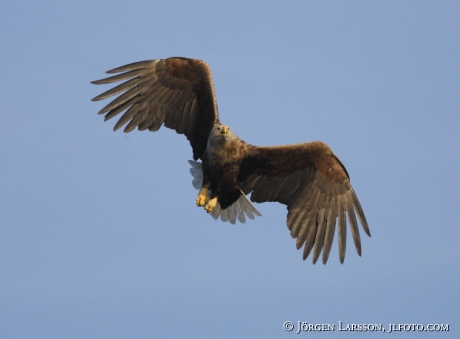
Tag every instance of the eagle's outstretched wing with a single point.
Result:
(314, 185)
(178, 92)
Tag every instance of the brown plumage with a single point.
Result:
(308, 178)
(176, 92)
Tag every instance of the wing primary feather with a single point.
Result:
(295, 226)
(303, 228)
(119, 109)
(158, 97)
(360, 212)
(320, 232)
(307, 220)
(354, 227)
(132, 111)
(147, 123)
(329, 236)
(132, 66)
(121, 99)
(118, 89)
(342, 234)
(309, 241)
(119, 77)
(298, 213)
(138, 121)
(318, 217)
(156, 119)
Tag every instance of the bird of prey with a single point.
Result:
(308, 178)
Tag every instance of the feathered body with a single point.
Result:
(221, 164)
(308, 178)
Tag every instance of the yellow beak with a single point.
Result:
(225, 130)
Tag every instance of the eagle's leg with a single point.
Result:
(203, 197)
(211, 205)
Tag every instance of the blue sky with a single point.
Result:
(99, 233)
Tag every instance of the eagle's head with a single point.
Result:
(219, 137)
(222, 132)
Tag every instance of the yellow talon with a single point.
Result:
(202, 198)
(211, 205)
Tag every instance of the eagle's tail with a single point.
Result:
(238, 210)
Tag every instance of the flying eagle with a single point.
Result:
(308, 178)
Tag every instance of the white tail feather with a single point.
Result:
(197, 174)
(236, 211)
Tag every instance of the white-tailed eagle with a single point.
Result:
(308, 178)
